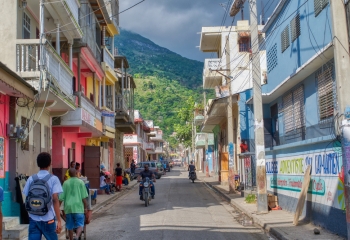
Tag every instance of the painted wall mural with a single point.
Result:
(285, 175)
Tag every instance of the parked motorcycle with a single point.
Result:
(131, 175)
(146, 191)
(193, 176)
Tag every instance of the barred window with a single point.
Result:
(325, 91)
(295, 27)
(272, 58)
(293, 107)
(285, 41)
(319, 5)
(24, 125)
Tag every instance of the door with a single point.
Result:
(91, 159)
(224, 166)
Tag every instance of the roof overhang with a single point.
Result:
(274, 14)
(314, 63)
(118, 60)
(217, 111)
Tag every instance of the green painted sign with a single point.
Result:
(294, 183)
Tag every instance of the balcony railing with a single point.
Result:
(132, 139)
(109, 121)
(158, 150)
(121, 104)
(28, 60)
(201, 139)
(109, 102)
(90, 108)
(210, 77)
(149, 146)
(108, 58)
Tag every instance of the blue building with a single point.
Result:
(300, 112)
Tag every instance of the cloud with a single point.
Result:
(173, 24)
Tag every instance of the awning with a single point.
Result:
(13, 85)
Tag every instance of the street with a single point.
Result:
(180, 210)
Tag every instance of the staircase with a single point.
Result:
(12, 229)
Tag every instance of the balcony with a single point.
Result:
(28, 59)
(149, 146)
(90, 108)
(109, 122)
(198, 117)
(109, 102)
(66, 12)
(201, 139)
(121, 104)
(132, 139)
(158, 150)
(211, 79)
(108, 59)
(158, 137)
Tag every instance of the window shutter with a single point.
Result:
(285, 41)
(298, 100)
(295, 27)
(288, 112)
(326, 96)
(272, 58)
(319, 5)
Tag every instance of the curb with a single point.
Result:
(276, 233)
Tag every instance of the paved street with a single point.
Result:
(181, 210)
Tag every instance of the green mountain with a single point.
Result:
(165, 80)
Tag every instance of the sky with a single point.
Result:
(175, 24)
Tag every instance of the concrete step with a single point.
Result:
(18, 232)
(9, 222)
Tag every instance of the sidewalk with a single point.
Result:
(279, 223)
(105, 199)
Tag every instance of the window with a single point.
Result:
(244, 44)
(295, 27)
(293, 107)
(89, 17)
(24, 125)
(319, 5)
(325, 91)
(26, 26)
(272, 58)
(285, 42)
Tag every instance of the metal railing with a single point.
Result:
(28, 60)
(109, 102)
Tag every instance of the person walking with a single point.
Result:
(42, 203)
(119, 177)
(75, 205)
(132, 167)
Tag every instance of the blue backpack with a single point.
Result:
(39, 200)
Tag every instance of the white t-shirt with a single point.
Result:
(102, 181)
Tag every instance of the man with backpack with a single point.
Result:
(42, 203)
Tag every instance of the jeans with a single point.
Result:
(152, 189)
(75, 220)
(106, 187)
(39, 228)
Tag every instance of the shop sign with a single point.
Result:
(107, 113)
(231, 154)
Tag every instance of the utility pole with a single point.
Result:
(342, 72)
(258, 113)
(42, 35)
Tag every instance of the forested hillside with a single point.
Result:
(164, 79)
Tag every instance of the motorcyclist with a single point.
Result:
(143, 175)
(191, 168)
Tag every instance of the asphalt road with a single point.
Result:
(181, 210)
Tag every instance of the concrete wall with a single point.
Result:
(310, 41)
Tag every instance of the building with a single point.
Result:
(300, 107)
(156, 140)
(229, 74)
(20, 139)
(134, 147)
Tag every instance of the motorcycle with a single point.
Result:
(146, 191)
(131, 175)
(193, 176)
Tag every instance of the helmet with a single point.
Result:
(191, 162)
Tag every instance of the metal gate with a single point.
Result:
(92, 165)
